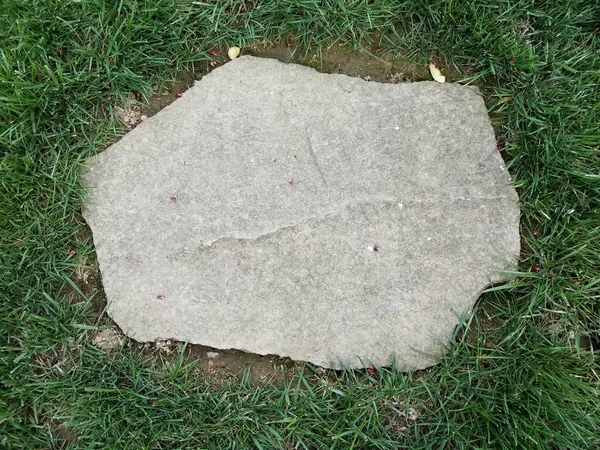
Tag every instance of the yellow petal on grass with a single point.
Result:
(436, 74)
(504, 100)
(233, 52)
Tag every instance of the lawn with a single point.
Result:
(523, 372)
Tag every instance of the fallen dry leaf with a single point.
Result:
(129, 113)
(436, 74)
(233, 52)
(108, 340)
(406, 416)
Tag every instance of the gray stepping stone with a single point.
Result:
(278, 210)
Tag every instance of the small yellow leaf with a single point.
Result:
(436, 74)
(233, 52)
(504, 100)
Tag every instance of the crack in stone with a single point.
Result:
(385, 202)
(306, 134)
(311, 151)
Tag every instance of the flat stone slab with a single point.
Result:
(278, 210)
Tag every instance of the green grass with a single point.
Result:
(530, 381)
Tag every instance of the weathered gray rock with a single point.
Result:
(285, 181)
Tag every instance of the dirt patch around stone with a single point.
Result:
(340, 58)
(222, 365)
(86, 277)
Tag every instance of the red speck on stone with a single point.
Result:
(160, 297)
(536, 268)
(499, 147)
(291, 181)
(212, 64)
(178, 94)
(238, 262)
(212, 52)
(376, 247)
(174, 196)
(372, 371)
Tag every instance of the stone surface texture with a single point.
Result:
(278, 210)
